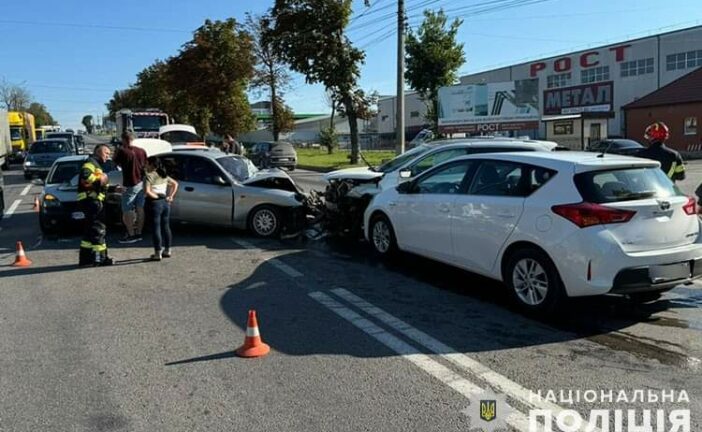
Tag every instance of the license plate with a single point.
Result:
(77, 216)
(662, 273)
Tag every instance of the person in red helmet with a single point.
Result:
(671, 162)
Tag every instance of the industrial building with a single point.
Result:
(571, 98)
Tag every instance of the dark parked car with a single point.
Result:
(43, 154)
(273, 154)
(78, 145)
(619, 146)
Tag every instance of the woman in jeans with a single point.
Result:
(160, 190)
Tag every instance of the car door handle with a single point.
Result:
(392, 204)
(444, 208)
(189, 188)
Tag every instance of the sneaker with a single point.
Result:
(137, 237)
(156, 257)
(127, 239)
(166, 253)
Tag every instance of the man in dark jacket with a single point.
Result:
(671, 161)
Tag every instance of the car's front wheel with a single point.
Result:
(265, 221)
(533, 280)
(382, 236)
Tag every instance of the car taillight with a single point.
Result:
(690, 207)
(589, 214)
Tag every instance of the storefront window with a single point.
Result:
(563, 128)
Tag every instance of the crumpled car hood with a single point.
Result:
(267, 173)
(358, 173)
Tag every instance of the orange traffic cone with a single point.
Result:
(36, 203)
(21, 260)
(253, 345)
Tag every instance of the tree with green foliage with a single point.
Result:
(329, 139)
(204, 84)
(270, 72)
(41, 114)
(433, 57)
(309, 36)
(88, 123)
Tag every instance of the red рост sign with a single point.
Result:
(585, 60)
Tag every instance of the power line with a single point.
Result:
(94, 26)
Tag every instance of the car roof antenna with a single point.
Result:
(609, 146)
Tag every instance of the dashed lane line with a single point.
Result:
(288, 270)
(8, 214)
(497, 381)
(448, 377)
(26, 189)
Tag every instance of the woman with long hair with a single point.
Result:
(160, 191)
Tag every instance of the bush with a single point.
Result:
(329, 139)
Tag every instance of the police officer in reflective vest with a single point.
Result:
(92, 187)
(671, 161)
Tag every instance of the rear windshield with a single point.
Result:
(49, 147)
(625, 185)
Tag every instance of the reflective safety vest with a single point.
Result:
(94, 247)
(89, 186)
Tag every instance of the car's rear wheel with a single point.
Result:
(382, 236)
(265, 221)
(533, 280)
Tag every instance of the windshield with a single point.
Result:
(64, 172)
(65, 136)
(240, 168)
(403, 159)
(49, 147)
(148, 122)
(180, 137)
(15, 133)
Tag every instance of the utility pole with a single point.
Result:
(400, 123)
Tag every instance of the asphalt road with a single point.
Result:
(357, 344)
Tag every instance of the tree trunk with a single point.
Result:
(330, 149)
(353, 126)
(274, 111)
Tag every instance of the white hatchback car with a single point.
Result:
(547, 224)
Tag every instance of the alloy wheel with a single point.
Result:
(265, 222)
(530, 281)
(381, 236)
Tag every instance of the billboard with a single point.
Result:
(512, 105)
(595, 97)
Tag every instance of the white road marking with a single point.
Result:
(498, 382)
(40, 239)
(8, 214)
(255, 285)
(288, 270)
(26, 189)
(466, 388)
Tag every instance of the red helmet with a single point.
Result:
(657, 131)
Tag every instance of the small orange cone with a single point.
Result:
(21, 260)
(253, 345)
(36, 203)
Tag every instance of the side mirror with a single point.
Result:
(405, 173)
(405, 188)
(219, 180)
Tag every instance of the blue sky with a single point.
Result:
(70, 59)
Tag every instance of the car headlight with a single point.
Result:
(28, 163)
(51, 201)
